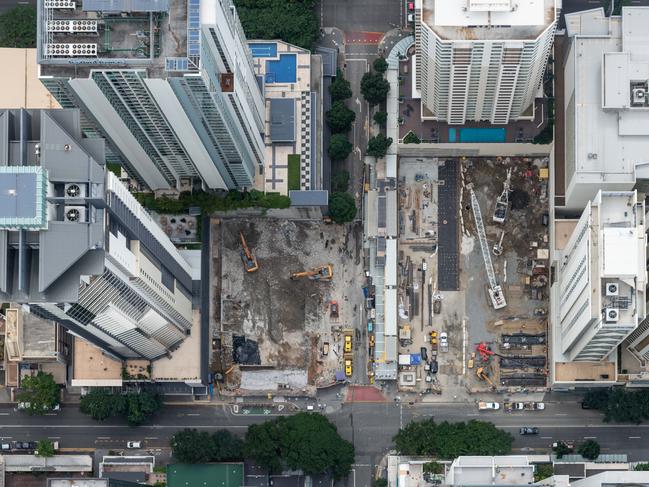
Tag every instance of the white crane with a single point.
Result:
(495, 291)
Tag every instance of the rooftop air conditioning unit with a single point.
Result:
(75, 214)
(639, 96)
(74, 190)
(612, 315)
(612, 289)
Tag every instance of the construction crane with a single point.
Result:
(502, 203)
(322, 273)
(485, 352)
(495, 291)
(498, 247)
(482, 375)
(249, 260)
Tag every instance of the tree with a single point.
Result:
(643, 467)
(411, 138)
(136, 408)
(340, 118)
(339, 147)
(18, 27)
(342, 207)
(374, 88)
(380, 65)
(589, 449)
(450, 440)
(192, 446)
(433, 467)
(141, 406)
(295, 22)
(543, 471)
(380, 483)
(340, 88)
(340, 182)
(378, 145)
(619, 404)
(226, 446)
(39, 393)
(45, 449)
(561, 449)
(304, 441)
(381, 119)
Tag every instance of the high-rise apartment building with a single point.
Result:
(599, 296)
(482, 59)
(76, 247)
(168, 83)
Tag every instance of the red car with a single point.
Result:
(411, 6)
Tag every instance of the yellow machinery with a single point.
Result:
(249, 260)
(482, 375)
(322, 273)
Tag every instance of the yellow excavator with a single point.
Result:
(249, 260)
(482, 375)
(322, 273)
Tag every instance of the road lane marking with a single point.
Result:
(150, 437)
(590, 437)
(634, 437)
(546, 437)
(561, 414)
(4, 414)
(193, 414)
(103, 437)
(53, 437)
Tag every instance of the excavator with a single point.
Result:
(322, 273)
(482, 375)
(249, 260)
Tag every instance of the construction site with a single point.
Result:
(505, 250)
(286, 304)
(473, 275)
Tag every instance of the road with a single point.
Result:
(9, 4)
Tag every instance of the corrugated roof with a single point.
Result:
(309, 198)
(125, 5)
(282, 119)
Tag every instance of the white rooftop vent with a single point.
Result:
(72, 26)
(639, 97)
(74, 190)
(612, 289)
(60, 4)
(71, 50)
(75, 214)
(612, 315)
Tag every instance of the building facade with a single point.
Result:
(482, 60)
(171, 87)
(601, 278)
(76, 247)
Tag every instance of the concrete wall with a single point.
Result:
(474, 150)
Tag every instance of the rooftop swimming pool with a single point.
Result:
(484, 135)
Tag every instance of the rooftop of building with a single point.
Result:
(36, 340)
(500, 470)
(91, 34)
(476, 20)
(22, 88)
(92, 365)
(82, 482)
(217, 474)
(608, 69)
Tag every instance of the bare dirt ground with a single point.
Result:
(288, 319)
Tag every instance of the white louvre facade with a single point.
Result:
(602, 277)
(482, 60)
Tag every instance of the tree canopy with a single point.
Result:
(340, 88)
(39, 393)
(589, 449)
(339, 117)
(340, 181)
(342, 207)
(45, 449)
(381, 118)
(374, 87)
(619, 404)
(378, 145)
(294, 22)
(136, 408)
(304, 441)
(411, 138)
(339, 147)
(18, 27)
(561, 449)
(450, 440)
(193, 446)
(380, 65)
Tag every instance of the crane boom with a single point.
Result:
(495, 291)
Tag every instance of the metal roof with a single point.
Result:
(309, 198)
(125, 5)
(329, 60)
(20, 197)
(282, 119)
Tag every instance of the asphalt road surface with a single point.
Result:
(369, 426)
(9, 4)
(361, 15)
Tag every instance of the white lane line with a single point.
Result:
(103, 437)
(53, 437)
(50, 414)
(193, 414)
(4, 414)
(634, 437)
(6, 437)
(150, 437)
(561, 414)
(546, 437)
(590, 437)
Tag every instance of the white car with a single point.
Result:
(443, 337)
(133, 444)
(488, 406)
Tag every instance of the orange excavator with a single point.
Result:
(249, 260)
(482, 375)
(322, 273)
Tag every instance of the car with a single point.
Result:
(372, 340)
(348, 343)
(434, 367)
(370, 326)
(26, 405)
(488, 406)
(424, 354)
(133, 444)
(309, 407)
(411, 6)
(584, 406)
(348, 368)
(24, 445)
(5, 446)
(529, 430)
(411, 18)
(443, 337)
